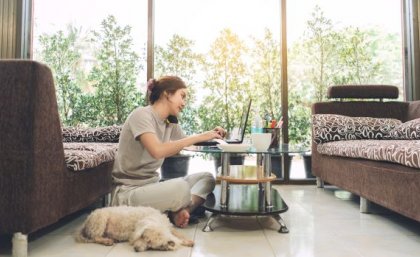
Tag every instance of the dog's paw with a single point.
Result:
(104, 241)
(139, 248)
(108, 242)
(186, 242)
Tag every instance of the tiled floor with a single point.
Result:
(322, 222)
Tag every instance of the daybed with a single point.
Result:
(42, 179)
(376, 158)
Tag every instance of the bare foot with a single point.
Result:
(180, 218)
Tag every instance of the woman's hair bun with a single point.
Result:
(151, 83)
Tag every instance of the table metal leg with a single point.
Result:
(224, 195)
(286, 172)
(267, 173)
(283, 229)
(207, 227)
(259, 160)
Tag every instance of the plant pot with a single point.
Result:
(276, 164)
(175, 166)
(235, 159)
(307, 163)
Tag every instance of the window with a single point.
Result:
(96, 50)
(329, 45)
(227, 51)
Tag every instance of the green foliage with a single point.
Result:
(114, 76)
(226, 78)
(87, 111)
(178, 59)
(361, 58)
(320, 52)
(328, 56)
(299, 117)
(266, 75)
(61, 52)
(324, 56)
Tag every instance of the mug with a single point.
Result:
(261, 141)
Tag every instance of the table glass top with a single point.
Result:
(283, 148)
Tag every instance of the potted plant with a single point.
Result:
(175, 166)
(307, 163)
(276, 164)
(235, 159)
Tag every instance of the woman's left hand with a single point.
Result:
(221, 131)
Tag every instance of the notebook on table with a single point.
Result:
(240, 131)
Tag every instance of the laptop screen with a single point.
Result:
(240, 133)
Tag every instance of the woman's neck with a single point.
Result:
(161, 109)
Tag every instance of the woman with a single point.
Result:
(147, 137)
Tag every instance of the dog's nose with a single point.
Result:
(171, 243)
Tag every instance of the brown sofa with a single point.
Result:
(36, 187)
(392, 185)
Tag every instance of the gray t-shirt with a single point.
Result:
(133, 164)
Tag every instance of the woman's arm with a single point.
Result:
(159, 150)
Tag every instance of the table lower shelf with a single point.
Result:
(245, 174)
(245, 200)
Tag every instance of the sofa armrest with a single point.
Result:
(31, 148)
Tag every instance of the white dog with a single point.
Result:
(144, 228)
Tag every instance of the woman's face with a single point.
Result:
(177, 101)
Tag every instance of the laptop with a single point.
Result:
(240, 131)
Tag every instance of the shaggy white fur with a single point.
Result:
(143, 227)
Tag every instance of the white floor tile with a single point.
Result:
(382, 245)
(286, 245)
(65, 245)
(126, 250)
(322, 222)
(232, 237)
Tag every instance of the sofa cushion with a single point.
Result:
(407, 130)
(333, 127)
(100, 134)
(81, 156)
(399, 151)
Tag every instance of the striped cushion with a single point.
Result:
(407, 130)
(333, 127)
(101, 134)
(82, 156)
(405, 152)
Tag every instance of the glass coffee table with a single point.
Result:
(246, 190)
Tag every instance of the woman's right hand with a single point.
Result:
(208, 135)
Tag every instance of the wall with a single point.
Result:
(8, 31)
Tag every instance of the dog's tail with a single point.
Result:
(81, 237)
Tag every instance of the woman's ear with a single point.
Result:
(166, 95)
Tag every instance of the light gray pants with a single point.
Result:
(169, 195)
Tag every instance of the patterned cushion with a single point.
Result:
(399, 151)
(80, 156)
(101, 134)
(407, 130)
(333, 127)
